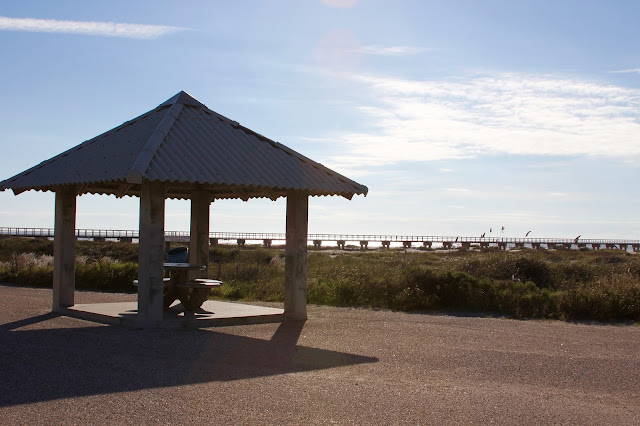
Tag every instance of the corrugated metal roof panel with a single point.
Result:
(182, 142)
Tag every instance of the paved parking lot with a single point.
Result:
(344, 366)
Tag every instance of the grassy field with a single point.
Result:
(601, 285)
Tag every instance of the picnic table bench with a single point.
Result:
(191, 293)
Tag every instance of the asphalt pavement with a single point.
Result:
(341, 366)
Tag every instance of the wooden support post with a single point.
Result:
(199, 241)
(64, 249)
(151, 253)
(295, 270)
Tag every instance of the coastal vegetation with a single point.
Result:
(602, 285)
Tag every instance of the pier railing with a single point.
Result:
(447, 241)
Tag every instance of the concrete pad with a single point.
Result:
(211, 314)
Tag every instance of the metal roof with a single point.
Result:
(184, 144)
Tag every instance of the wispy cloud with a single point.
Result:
(503, 113)
(627, 71)
(375, 49)
(109, 29)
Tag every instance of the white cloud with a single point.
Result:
(375, 49)
(504, 113)
(110, 29)
(627, 71)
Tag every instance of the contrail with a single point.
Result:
(109, 29)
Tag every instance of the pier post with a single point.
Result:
(317, 244)
(341, 244)
(364, 245)
(386, 244)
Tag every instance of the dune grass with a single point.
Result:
(599, 285)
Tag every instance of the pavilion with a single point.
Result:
(181, 149)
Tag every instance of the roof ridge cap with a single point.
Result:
(184, 98)
(137, 171)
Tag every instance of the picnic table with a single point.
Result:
(191, 293)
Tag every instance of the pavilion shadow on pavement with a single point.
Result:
(182, 150)
(97, 360)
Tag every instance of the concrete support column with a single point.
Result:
(364, 245)
(64, 249)
(317, 244)
(199, 232)
(295, 270)
(151, 253)
(386, 244)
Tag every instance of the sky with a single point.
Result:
(461, 117)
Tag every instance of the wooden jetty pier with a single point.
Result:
(342, 240)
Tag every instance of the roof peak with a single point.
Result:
(184, 98)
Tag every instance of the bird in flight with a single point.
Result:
(576, 240)
(527, 234)
(482, 236)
